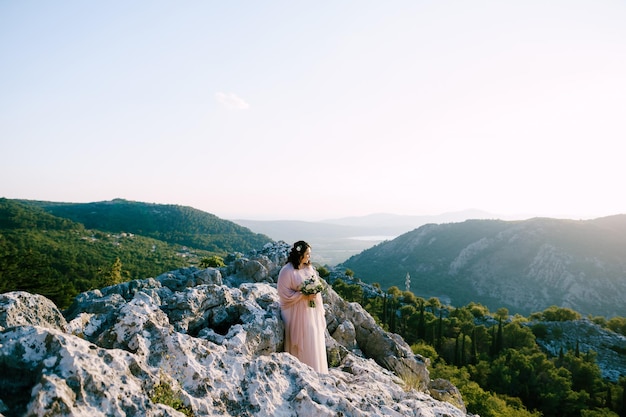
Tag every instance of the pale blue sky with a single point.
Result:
(314, 110)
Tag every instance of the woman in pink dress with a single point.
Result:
(303, 314)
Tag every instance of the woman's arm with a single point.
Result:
(288, 293)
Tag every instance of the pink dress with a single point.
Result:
(305, 326)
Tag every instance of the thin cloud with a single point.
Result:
(231, 101)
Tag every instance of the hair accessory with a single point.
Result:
(298, 248)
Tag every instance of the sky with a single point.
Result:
(279, 110)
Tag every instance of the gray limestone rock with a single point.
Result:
(214, 345)
(443, 390)
(20, 308)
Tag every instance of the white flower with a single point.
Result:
(312, 286)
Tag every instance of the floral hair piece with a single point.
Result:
(298, 248)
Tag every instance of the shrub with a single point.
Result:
(164, 394)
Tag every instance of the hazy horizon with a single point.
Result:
(312, 111)
(483, 213)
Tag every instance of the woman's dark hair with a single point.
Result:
(297, 253)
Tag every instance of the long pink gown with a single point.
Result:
(304, 325)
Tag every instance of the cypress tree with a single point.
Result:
(499, 338)
(622, 412)
(392, 315)
(463, 361)
(385, 313)
(421, 324)
(474, 357)
(439, 340)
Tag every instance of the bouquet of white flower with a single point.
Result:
(312, 286)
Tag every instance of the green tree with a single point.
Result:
(617, 324)
(622, 410)
(323, 271)
(586, 374)
(478, 310)
(554, 313)
(111, 275)
(516, 336)
(497, 339)
(434, 304)
(481, 339)
(598, 412)
(349, 292)
(477, 400)
(426, 350)
(212, 262)
(421, 324)
(406, 311)
(502, 313)
(533, 378)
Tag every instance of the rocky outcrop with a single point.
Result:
(354, 328)
(609, 347)
(21, 308)
(443, 390)
(205, 343)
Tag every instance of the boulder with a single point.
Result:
(443, 390)
(20, 308)
(387, 349)
(46, 372)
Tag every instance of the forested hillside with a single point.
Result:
(59, 258)
(553, 363)
(525, 266)
(169, 223)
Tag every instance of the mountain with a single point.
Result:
(331, 243)
(204, 343)
(169, 223)
(394, 224)
(46, 248)
(335, 240)
(525, 266)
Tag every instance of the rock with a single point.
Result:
(209, 276)
(387, 349)
(21, 308)
(443, 390)
(207, 345)
(62, 375)
(335, 353)
(46, 372)
(609, 346)
(345, 334)
(255, 271)
(189, 277)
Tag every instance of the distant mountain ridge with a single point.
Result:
(396, 224)
(525, 266)
(335, 240)
(383, 224)
(175, 224)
